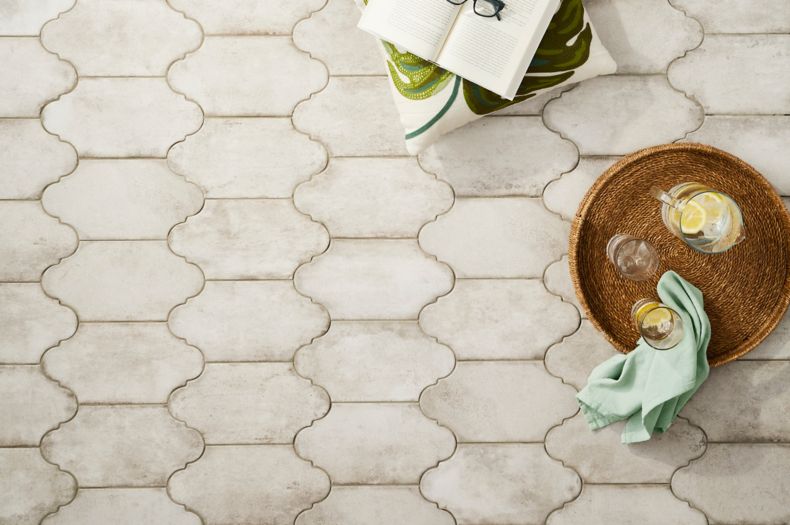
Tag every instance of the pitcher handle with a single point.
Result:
(663, 196)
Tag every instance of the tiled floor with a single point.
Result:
(227, 295)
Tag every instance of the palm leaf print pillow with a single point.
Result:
(432, 101)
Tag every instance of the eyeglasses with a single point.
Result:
(486, 8)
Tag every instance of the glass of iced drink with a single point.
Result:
(634, 258)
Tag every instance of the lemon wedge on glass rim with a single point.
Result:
(657, 318)
(654, 321)
(645, 309)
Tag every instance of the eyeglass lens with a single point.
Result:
(486, 8)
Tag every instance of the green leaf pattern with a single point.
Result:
(423, 78)
(564, 48)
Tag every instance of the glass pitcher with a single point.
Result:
(707, 220)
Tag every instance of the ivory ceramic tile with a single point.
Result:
(724, 407)
(21, 17)
(123, 281)
(249, 403)
(32, 323)
(500, 483)
(506, 237)
(600, 457)
(31, 158)
(249, 321)
(123, 37)
(557, 279)
(32, 76)
(270, 85)
(331, 36)
(353, 116)
(32, 487)
(758, 139)
(247, 157)
(749, 78)
(650, 505)
(374, 361)
(109, 446)
(123, 363)
(249, 239)
(563, 195)
(243, 17)
(499, 319)
(249, 484)
(733, 16)
(479, 172)
(628, 30)
(757, 473)
(25, 389)
(123, 507)
(122, 199)
(381, 505)
(370, 197)
(31, 240)
(374, 279)
(777, 344)
(375, 443)
(573, 358)
(122, 117)
(615, 115)
(499, 401)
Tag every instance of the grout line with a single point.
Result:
(126, 487)
(122, 404)
(499, 360)
(724, 33)
(328, 326)
(454, 281)
(220, 34)
(626, 484)
(248, 280)
(750, 442)
(203, 284)
(389, 484)
(42, 364)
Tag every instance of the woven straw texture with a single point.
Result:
(746, 289)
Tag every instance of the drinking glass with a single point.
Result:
(707, 220)
(634, 258)
(659, 325)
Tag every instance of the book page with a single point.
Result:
(496, 53)
(418, 26)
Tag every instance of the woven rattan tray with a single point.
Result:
(746, 289)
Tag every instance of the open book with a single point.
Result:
(494, 54)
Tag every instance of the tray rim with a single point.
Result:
(783, 302)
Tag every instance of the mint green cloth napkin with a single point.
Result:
(648, 387)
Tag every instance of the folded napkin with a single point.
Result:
(648, 387)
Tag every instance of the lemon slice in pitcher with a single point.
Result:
(713, 203)
(693, 218)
